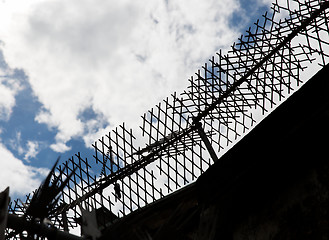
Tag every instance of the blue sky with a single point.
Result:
(70, 71)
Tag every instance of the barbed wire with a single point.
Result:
(186, 133)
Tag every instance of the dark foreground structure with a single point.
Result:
(204, 165)
(279, 191)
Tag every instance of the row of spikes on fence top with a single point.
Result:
(185, 132)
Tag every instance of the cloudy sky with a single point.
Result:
(72, 70)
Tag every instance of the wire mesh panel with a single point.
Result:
(186, 133)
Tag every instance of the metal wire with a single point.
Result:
(223, 100)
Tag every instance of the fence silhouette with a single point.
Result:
(186, 133)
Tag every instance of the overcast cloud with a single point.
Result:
(111, 59)
(117, 58)
(23, 178)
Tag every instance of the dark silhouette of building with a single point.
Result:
(279, 190)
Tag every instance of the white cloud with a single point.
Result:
(60, 147)
(7, 102)
(118, 58)
(33, 149)
(20, 178)
(16, 143)
(29, 149)
(9, 88)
